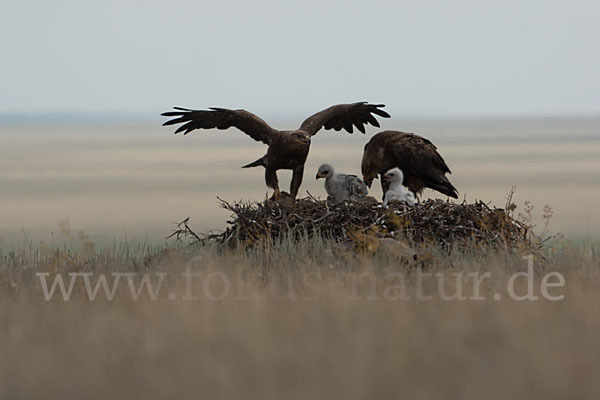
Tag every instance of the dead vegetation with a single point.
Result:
(438, 222)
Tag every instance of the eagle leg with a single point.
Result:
(296, 181)
(272, 182)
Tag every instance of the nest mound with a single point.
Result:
(435, 221)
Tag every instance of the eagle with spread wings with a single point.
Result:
(287, 149)
(417, 157)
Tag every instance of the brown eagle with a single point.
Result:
(287, 149)
(417, 157)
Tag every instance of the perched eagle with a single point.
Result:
(417, 157)
(397, 191)
(287, 149)
(342, 186)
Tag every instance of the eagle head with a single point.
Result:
(325, 171)
(301, 137)
(368, 172)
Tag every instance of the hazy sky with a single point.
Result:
(458, 57)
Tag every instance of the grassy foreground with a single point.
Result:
(298, 321)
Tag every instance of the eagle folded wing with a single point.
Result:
(355, 187)
(420, 157)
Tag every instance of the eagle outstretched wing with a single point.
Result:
(344, 116)
(221, 118)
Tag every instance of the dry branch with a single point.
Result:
(434, 221)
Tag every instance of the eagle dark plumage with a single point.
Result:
(417, 157)
(287, 149)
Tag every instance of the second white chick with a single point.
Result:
(397, 191)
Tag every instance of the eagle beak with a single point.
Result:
(319, 175)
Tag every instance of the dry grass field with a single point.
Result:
(143, 257)
(297, 321)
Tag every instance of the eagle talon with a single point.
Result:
(276, 195)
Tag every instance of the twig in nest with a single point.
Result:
(436, 221)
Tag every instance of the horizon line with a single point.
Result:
(68, 117)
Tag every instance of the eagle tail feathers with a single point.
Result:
(446, 188)
(258, 163)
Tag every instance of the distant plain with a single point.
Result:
(133, 180)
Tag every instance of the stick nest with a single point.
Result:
(435, 221)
